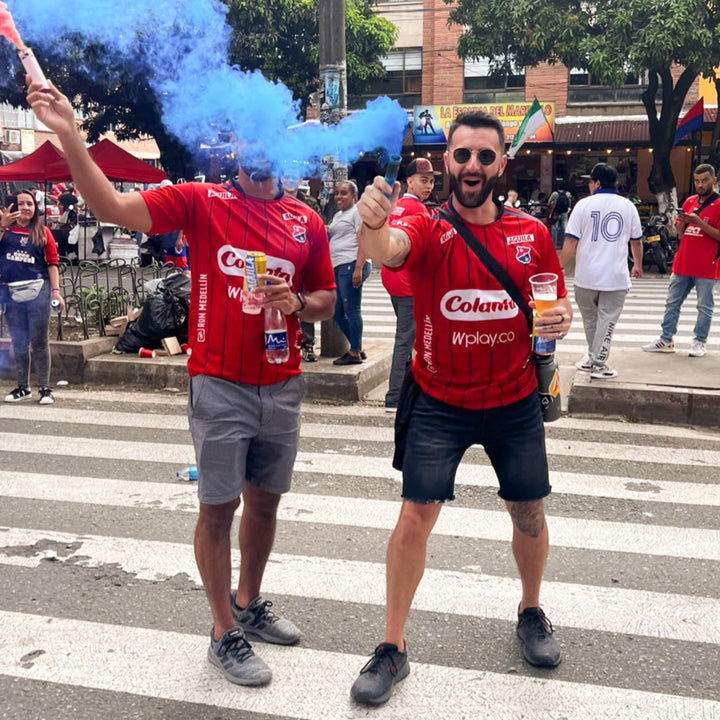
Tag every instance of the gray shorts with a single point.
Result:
(243, 433)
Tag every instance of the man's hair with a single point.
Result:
(478, 119)
(605, 174)
(704, 168)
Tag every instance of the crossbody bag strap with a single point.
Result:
(493, 266)
(713, 197)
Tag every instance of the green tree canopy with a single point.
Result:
(279, 37)
(608, 38)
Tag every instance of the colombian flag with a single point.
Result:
(692, 121)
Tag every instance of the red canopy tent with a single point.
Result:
(46, 164)
(118, 164)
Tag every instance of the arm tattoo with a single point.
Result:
(401, 247)
(528, 517)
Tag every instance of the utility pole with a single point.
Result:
(333, 107)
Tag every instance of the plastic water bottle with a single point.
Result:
(548, 377)
(188, 473)
(277, 349)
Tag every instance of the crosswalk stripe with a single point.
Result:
(164, 665)
(610, 609)
(125, 450)
(685, 542)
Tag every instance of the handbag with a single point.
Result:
(545, 370)
(25, 290)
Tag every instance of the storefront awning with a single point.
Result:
(625, 133)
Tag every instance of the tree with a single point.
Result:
(279, 37)
(610, 39)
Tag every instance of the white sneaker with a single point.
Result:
(584, 366)
(602, 372)
(697, 349)
(660, 345)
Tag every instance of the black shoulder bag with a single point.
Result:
(545, 366)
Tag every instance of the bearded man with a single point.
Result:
(472, 380)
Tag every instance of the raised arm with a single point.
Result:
(377, 240)
(126, 209)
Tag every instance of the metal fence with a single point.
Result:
(96, 291)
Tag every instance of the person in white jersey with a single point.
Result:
(599, 230)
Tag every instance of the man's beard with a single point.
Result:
(474, 198)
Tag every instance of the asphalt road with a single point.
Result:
(102, 613)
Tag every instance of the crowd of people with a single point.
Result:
(448, 393)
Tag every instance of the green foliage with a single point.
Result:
(280, 38)
(611, 39)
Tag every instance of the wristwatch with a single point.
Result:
(303, 303)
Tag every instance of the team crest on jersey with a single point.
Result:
(523, 254)
(517, 239)
(299, 233)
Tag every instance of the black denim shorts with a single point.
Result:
(437, 436)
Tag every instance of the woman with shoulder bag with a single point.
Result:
(30, 279)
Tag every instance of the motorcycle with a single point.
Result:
(658, 247)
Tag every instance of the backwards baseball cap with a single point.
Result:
(419, 166)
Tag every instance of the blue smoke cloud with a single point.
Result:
(185, 43)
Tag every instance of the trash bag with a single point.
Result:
(164, 314)
(98, 244)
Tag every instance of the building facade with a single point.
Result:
(590, 122)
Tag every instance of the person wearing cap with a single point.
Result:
(420, 178)
(599, 229)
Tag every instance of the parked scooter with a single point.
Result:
(658, 247)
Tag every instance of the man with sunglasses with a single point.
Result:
(472, 382)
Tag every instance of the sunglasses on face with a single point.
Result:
(463, 155)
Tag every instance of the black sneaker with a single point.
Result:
(536, 633)
(237, 661)
(18, 394)
(308, 353)
(386, 667)
(46, 396)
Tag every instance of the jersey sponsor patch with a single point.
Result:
(471, 305)
(292, 217)
(231, 261)
(523, 254)
(447, 235)
(222, 194)
(517, 239)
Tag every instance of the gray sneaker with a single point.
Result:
(386, 667)
(237, 661)
(258, 620)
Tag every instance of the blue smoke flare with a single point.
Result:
(185, 45)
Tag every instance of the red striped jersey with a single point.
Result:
(221, 224)
(396, 281)
(472, 342)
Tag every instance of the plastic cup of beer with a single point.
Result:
(544, 291)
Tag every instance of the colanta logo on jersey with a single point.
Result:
(471, 305)
(231, 261)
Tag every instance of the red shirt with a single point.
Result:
(698, 253)
(472, 342)
(397, 281)
(221, 225)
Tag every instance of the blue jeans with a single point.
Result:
(347, 305)
(678, 289)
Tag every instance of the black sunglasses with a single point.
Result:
(463, 155)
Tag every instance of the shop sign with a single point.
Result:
(431, 123)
